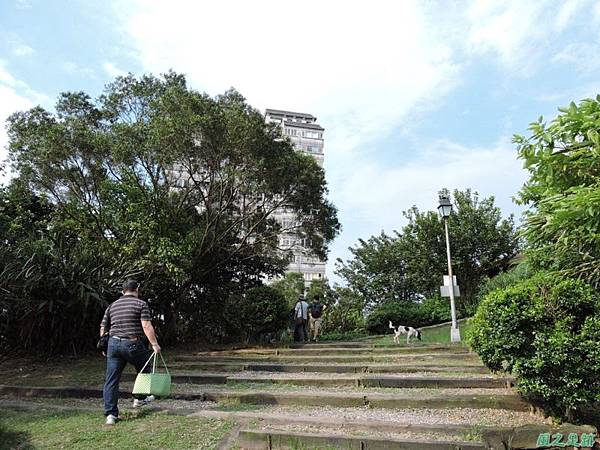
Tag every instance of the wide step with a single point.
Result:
(382, 382)
(375, 400)
(273, 439)
(328, 368)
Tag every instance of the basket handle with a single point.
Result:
(153, 355)
(164, 363)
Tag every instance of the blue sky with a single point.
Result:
(414, 95)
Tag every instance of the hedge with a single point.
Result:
(546, 331)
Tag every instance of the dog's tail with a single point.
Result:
(392, 326)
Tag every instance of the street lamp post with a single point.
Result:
(445, 208)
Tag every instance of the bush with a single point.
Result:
(345, 315)
(430, 312)
(511, 277)
(545, 330)
(346, 336)
(262, 310)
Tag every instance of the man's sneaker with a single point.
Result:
(111, 420)
(139, 403)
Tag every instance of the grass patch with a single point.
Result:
(435, 335)
(85, 430)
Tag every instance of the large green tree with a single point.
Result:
(563, 191)
(157, 180)
(409, 265)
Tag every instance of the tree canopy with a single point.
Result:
(158, 181)
(409, 265)
(563, 191)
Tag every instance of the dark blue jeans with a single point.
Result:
(118, 355)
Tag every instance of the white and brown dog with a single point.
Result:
(408, 331)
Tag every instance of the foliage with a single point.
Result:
(291, 286)
(262, 310)
(343, 336)
(563, 191)
(545, 331)
(430, 312)
(409, 266)
(345, 314)
(322, 289)
(155, 180)
(520, 272)
(47, 277)
(378, 270)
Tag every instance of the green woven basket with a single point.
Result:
(158, 384)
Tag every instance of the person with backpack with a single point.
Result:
(300, 320)
(316, 318)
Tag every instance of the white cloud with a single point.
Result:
(72, 68)
(113, 70)
(363, 68)
(583, 56)
(508, 29)
(22, 50)
(23, 4)
(567, 12)
(518, 32)
(17, 46)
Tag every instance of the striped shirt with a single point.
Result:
(124, 317)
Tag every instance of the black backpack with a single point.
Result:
(316, 311)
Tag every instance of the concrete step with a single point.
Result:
(510, 402)
(375, 400)
(368, 351)
(273, 439)
(337, 420)
(315, 349)
(326, 368)
(329, 358)
(364, 381)
(385, 382)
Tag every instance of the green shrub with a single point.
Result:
(262, 310)
(345, 315)
(345, 336)
(545, 330)
(511, 277)
(430, 312)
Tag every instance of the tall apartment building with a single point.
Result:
(307, 136)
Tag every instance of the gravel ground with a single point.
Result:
(423, 362)
(97, 403)
(457, 416)
(333, 376)
(266, 387)
(371, 434)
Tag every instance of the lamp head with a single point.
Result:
(445, 207)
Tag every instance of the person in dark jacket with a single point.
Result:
(316, 318)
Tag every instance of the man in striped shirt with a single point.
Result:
(128, 320)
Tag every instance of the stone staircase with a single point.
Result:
(350, 395)
(356, 395)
